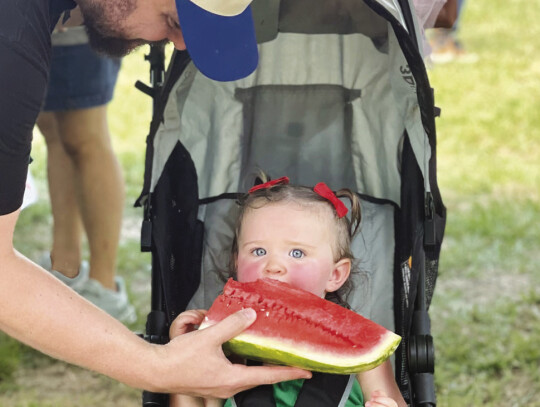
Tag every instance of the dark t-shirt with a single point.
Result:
(25, 46)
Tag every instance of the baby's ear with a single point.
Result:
(340, 274)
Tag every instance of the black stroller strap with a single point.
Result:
(178, 63)
(260, 396)
(225, 195)
(325, 390)
(322, 390)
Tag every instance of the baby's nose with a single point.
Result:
(275, 267)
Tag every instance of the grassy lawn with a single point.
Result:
(486, 308)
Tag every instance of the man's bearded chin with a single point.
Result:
(102, 20)
(111, 46)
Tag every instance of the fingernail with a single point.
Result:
(249, 313)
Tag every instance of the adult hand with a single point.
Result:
(195, 363)
(80, 333)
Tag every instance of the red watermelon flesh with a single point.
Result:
(297, 328)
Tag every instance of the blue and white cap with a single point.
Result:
(219, 37)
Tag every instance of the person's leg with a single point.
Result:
(99, 186)
(66, 246)
(460, 4)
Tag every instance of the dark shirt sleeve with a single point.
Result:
(23, 86)
(25, 45)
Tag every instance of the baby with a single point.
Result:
(300, 236)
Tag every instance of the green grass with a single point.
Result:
(10, 357)
(491, 353)
(486, 307)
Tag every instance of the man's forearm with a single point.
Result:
(40, 311)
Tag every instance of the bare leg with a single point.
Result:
(99, 186)
(66, 247)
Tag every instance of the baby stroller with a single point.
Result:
(341, 95)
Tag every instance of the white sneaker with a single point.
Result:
(115, 303)
(77, 282)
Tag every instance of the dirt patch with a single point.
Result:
(462, 294)
(522, 391)
(60, 385)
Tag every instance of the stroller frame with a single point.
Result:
(419, 232)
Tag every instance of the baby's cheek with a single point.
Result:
(247, 272)
(304, 277)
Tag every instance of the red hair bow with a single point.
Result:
(269, 184)
(322, 189)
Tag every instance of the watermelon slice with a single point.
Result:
(297, 328)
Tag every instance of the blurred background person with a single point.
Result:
(85, 179)
(444, 40)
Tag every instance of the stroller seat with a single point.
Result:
(340, 96)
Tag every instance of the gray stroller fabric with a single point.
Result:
(330, 101)
(313, 98)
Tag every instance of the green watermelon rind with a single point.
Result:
(277, 352)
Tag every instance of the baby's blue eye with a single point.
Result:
(259, 251)
(296, 253)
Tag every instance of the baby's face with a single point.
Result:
(290, 243)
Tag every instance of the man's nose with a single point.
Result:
(178, 40)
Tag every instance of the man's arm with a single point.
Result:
(40, 311)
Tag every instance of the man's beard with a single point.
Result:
(111, 46)
(101, 19)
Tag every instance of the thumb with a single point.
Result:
(232, 326)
